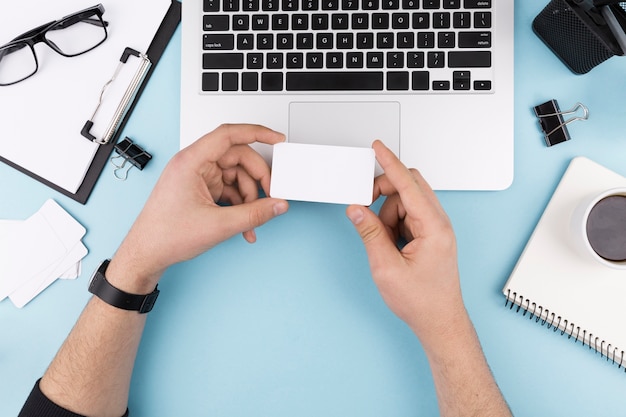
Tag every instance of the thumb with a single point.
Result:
(245, 217)
(378, 245)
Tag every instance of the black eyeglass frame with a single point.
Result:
(29, 39)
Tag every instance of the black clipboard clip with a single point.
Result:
(116, 97)
(551, 120)
(131, 154)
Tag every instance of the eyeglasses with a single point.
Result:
(69, 36)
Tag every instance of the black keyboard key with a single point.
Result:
(330, 4)
(397, 80)
(314, 60)
(474, 39)
(211, 6)
(391, 4)
(436, 60)
(231, 6)
(249, 81)
(300, 22)
(482, 20)
(245, 41)
(251, 5)
(354, 60)
(260, 22)
(214, 22)
(432, 4)
(345, 40)
(400, 20)
(360, 21)
(349, 4)
(469, 59)
(441, 85)
(222, 60)
(218, 42)
(405, 40)
(284, 41)
(334, 60)
(274, 61)
(230, 81)
(210, 81)
(384, 40)
(477, 4)
(374, 60)
(304, 41)
(451, 4)
(380, 21)
(324, 41)
(270, 5)
(441, 20)
(461, 80)
(241, 22)
(410, 4)
(421, 21)
(395, 60)
(370, 4)
(334, 81)
(265, 41)
(310, 5)
(340, 21)
(295, 60)
(481, 85)
(319, 21)
(420, 80)
(445, 40)
(280, 22)
(290, 5)
(254, 61)
(425, 39)
(415, 59)
(461, 20)
(272, 81)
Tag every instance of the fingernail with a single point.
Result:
(280, 208)
(356, 216)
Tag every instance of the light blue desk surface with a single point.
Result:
(293, 325)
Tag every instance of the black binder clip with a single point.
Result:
(552, 123)
(130, 153)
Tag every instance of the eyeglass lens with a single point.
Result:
(71, 36)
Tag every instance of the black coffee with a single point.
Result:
(606, 228)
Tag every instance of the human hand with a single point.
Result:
(182, 218)
(420, 282)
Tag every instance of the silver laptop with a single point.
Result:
(433, 79)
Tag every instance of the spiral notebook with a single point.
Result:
(563, 290)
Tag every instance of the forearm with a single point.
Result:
(463, 380)
(91, 373)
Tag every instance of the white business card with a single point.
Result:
(323, 174)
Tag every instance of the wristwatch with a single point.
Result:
(102, 288)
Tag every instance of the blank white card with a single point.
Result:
(323, 174)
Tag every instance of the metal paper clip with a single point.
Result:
(552, 123)
(130, 75)
(131, 154)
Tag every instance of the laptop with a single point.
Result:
(432, 79)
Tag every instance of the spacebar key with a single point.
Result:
(334, 81)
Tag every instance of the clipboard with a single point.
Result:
(154, 52)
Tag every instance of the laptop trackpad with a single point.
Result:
(355, 124)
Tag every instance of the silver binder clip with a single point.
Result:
(552, 123)
(128, 153)
(117, 96)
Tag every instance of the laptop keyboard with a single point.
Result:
(338, 46)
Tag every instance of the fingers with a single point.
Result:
(418, 199)
(244, 218)
(381, 249)
(247, 161)
(215, 144)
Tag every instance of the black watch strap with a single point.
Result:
(100, 287)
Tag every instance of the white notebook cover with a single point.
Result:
(559, 286)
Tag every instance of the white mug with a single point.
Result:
(584, 236)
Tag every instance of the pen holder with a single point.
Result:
(582, 40)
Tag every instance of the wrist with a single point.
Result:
(129, 276)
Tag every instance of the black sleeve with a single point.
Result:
(38, 405)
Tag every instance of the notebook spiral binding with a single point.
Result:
(551, 321)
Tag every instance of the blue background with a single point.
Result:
(293, 325)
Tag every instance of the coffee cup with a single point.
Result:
(598, 227)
